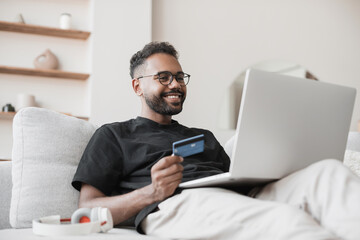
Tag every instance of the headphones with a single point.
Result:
(83, 221)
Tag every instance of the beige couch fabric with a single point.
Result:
(47, 147)
(5, 197)
(115, 233)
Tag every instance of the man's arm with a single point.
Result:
(166, 176)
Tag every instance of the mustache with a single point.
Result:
(172, 92)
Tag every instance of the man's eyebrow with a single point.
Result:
(167, 71)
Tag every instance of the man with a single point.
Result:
(129, 168)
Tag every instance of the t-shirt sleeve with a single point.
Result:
(100, 164)
(225, 159)
(221, 154)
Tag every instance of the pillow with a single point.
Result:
(229, 145)
(47, 147)
(5, 191)
(353, 142)
(352, 160)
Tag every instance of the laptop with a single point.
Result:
(285, 124)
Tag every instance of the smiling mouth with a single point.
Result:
(174, 99)
(173, 95)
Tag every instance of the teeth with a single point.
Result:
(172, 96)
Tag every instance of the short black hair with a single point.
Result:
(138, 59)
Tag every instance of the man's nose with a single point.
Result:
(174, 84)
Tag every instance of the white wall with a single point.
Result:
(20, 50)
(118, 29)
(216, 41)
(219, 39)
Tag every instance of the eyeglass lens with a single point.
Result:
(166, 78)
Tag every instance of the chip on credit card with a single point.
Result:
(189, 146)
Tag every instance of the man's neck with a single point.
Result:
(156, 117)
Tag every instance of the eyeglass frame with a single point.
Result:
(172, 77)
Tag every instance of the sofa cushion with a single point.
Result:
(352, 160)
(47, 147)
(353, 143)
(5, 193)
(113, 234)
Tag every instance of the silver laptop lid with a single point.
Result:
(286, 123)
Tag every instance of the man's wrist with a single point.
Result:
(149, 194)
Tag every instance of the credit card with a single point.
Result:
(189, 146)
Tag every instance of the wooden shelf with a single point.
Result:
(11, 115)
(43, 73)
(3, 160)
(42, 30)
(7, 115)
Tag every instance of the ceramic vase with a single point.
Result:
(46, 60)
(65, 21)
(25, 100)
(19, 19)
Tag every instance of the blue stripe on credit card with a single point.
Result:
(189, 146)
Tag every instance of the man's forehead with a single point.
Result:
(162, 62)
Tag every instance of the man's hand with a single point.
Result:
(166, 176)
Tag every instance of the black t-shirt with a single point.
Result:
(119, 156)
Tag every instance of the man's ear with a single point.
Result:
(136, 86)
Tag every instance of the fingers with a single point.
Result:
(167, 162)
(164, 180)
(162, 170)
(166, 176)
(166, 186)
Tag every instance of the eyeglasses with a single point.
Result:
(166, 78)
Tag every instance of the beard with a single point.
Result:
(159, 105)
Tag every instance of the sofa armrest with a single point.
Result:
(353, 142)
(5, 193)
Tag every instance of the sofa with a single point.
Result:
(47, 147)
